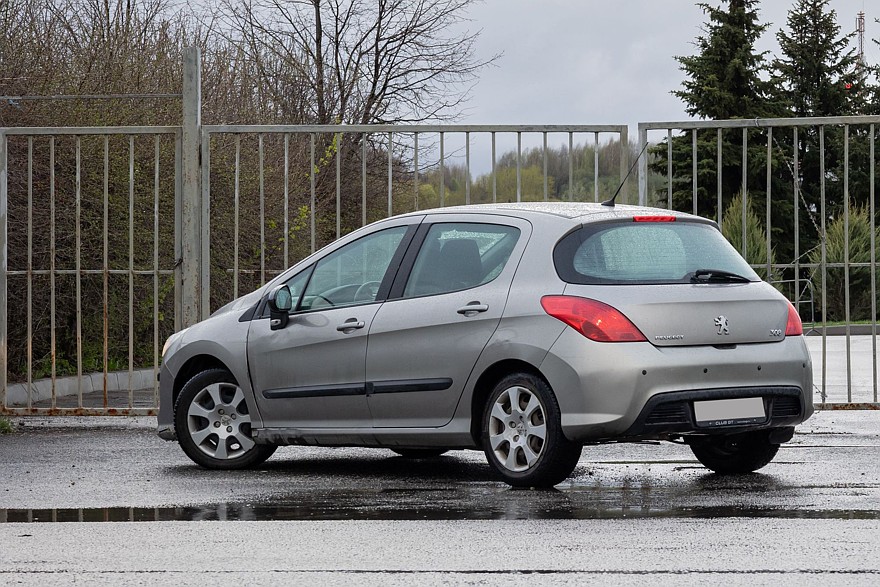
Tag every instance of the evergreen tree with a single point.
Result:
(818, 72)
(725, 79)
(872, 91)
(754, 248)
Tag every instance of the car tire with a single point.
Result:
(213, 423)
(522, 433)
(420, 453)
(735, 454)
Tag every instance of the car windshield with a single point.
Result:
(628, 252)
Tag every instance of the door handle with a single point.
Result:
(473, 308)
(350, 324)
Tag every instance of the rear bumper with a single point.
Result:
(672, 414)
(615, 391)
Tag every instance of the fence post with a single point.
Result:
(624, 163)
(643, 166)
(4, 258)
(191, 196)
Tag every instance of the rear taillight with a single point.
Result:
(653, 218)
(794, 327)
(595, 320)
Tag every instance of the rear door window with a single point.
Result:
(627, 252)
(456, 256)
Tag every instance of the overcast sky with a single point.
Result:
(603, 61)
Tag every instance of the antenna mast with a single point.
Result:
(860, 29)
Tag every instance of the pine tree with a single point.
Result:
(724, 77)
(818, 72)
(754, 248)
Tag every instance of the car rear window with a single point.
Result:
(626, 252)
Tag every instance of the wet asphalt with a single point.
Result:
(104, 501)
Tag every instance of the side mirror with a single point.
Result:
(280, 304)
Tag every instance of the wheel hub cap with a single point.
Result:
(219, 423)
(517, 429)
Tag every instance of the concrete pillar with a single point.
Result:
(191, 191)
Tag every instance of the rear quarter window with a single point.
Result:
(626, 252)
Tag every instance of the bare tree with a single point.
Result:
(76, 47)
(358, 61)
(264, 61)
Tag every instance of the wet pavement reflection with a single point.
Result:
(479, 502)
(118, 474)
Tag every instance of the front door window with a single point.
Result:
(354, 273)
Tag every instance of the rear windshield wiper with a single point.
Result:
(717, 275)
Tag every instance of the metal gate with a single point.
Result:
(112, 238)
(68, 276)
(845, 364)
(86, 311)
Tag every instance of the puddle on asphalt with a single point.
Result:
(440, 505)
(586, 498)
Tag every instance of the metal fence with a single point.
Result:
(111, 238)
(64, 263)
(198, 247)
(856, 386)
(371, 172)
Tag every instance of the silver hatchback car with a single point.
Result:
(524, 330)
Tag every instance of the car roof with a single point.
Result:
(579, 211)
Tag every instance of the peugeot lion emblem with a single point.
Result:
(723, 326)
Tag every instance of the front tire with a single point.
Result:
(213, 423)
(735, 454)
(522, 433)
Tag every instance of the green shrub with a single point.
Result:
(859, 277)
(756, 236)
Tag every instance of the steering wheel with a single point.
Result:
(370, 288)
(326, 300)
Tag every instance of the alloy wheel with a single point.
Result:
(218, 421)
(517, 429)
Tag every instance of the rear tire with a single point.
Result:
(735, 454)
(522, 433)
(213, 423)
(420, 453)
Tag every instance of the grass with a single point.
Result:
(6, 426)
(842, 323)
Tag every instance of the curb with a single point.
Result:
(41, 390)
(854, 329)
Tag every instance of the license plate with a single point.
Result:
(728, 412)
